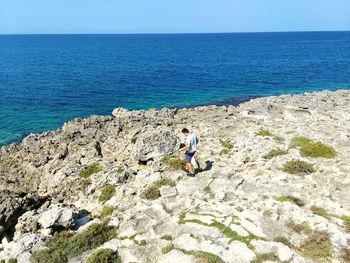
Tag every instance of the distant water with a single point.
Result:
(48, 79)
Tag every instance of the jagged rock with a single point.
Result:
(264, 247)
(155, 145)
(167, 191)
(120, 113)
(25, 243)
(58, 216)
(238, 195)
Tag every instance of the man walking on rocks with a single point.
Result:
(190, 148)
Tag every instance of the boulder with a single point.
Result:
(58, 216)
(155, 145)
(167, 191)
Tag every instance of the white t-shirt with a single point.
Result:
(192, 140)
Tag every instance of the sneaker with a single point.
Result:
(191, 174)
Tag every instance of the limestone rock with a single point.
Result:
(155, 145)
(58, 216)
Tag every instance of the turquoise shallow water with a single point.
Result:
(48, 79)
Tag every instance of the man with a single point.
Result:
(190, 148)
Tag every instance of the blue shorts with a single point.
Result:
(188, 156)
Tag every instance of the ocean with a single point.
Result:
(46, 80)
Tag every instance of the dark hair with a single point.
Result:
(185, 130)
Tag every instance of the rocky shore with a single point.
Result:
(273, 186)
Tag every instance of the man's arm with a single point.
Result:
(186, 147)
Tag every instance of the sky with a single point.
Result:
(171, 16)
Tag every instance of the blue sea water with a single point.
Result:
(48, 79)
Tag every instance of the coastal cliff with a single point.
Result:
(273, 184)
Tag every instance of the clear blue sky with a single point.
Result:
(172, 16)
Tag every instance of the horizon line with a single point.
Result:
(176, 33)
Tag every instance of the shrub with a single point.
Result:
(152, 192)
(207, 190)
(346, 223)
(226, 144)
(173, 163)
(279, 139)
(107, 192)
(140, 243)
(319, 211)
(104, 256)
(274, 152)
(299, 142)
(90, 170)
(12, 260)
(264, 132)
(167, 249)
(291, 199)
(298, 167)
(300, 228)
(65, 245)
(283, 240)
(134, 140)
(265, 257)
(317, 149)
(167, 237)
(345, 255)
(318, 246)
(107, 210)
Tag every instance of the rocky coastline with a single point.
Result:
(273, 185)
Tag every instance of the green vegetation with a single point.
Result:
(264, 133)
(303, 228)
(90, 170)
(2, 261)
(291, 199)
(134, 139)
(275, 152)
(225, 230)
(104, 256)
(107, 210)
(283, 240)
(290, 132)
(167, 249)
(278, 138)
(203, 257)
(166, 209)
(140, 242)
(298, 167)
(318, 246)
(228, 232)
(346, 222)
(173, 162)
(224, 151)
(317, 149)
(207, 190)
(107, 192)
(12, 260)
(345, 255)
(226, 144)
(152, 192)
(120, 169)
(167, 237)
(319, 211)
(299, 142)
(265, 257)
(65, 245)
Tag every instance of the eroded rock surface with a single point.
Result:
(240, 207)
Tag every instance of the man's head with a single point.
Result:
(185, 131)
